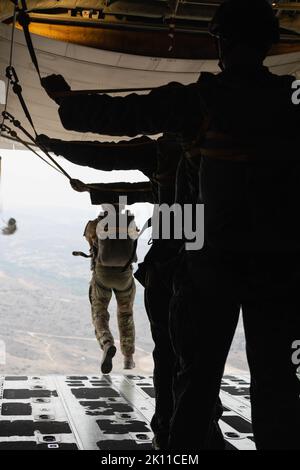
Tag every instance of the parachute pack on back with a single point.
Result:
(114, 239)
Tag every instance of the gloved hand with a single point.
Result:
(44, 141)
(79, 186)
(55, 84)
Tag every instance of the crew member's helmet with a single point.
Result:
(246, 22)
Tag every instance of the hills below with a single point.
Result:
(44, 309)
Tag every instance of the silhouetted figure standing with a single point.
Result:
(250, 186)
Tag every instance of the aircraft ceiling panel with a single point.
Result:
(147, 8)
(87, 68)
(103, 70)
(288, 64)
(132, 62)
(283, 60)
(6, 7)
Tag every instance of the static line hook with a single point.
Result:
(8, 130)
(11, 74)
(5, 128)
(11, 119)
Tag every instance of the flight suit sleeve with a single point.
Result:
(136, 154)
(168, 108)
(110, 192)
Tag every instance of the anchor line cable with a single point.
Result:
(11, 53)
(16, 138)
(13, 81)
(24, 20)
(18, 125)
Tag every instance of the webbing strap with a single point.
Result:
(24, 21)
(9, 117)
(12, 41)
(18, 125)
(13, 78)
(147, 224)
(16, 138)
(80, 253)
(17, 89)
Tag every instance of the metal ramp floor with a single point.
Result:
(108, 413)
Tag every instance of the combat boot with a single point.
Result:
(109, 351)
(129, 362)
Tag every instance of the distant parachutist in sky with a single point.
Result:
(11, 227)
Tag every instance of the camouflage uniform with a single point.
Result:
(104, 281)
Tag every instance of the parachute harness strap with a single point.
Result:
(147, 225)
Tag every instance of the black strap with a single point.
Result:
(145, 227)
(14, 81)
(9, 117)
(80, 253)
(17, 124)
(17, 89)
(14, 136)
(24, 21)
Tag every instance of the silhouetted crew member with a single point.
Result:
(246, 128)
(249, 181)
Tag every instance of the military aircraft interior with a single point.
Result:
(116, 47)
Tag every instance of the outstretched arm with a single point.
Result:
(136, 154)
(165, 109)
(110, 192)
(170, 108)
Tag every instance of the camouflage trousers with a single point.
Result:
(104, 282)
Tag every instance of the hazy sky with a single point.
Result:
(27, 182)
